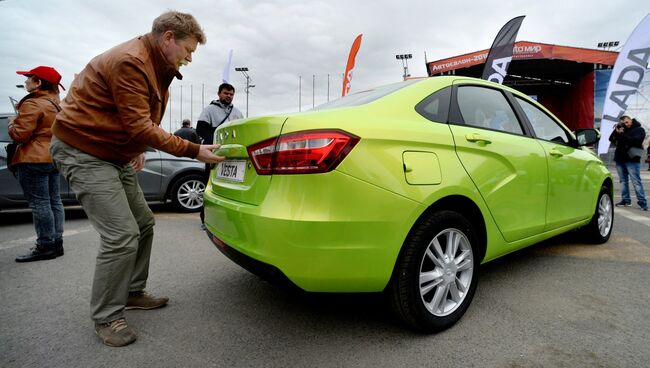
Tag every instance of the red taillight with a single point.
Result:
(312, 151)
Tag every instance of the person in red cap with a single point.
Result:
(110, 116)
(37, 174)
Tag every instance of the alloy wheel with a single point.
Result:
(190, 194)
(446, 272)
(605, 214)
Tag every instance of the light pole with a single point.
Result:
(299, 93)
(313, 91)
(328, 88)
(405, 63)
(181, 104)
(244, 71)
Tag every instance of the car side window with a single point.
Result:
(543, 126)
(4, 133)
(487, 108)
(436, 106)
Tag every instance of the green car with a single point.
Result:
(405, 188)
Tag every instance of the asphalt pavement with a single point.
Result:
(557, 304)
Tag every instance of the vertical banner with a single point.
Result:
(500, 55)
(626, 78)
(225, 76)
(347, 77)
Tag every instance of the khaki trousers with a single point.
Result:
(115, 205)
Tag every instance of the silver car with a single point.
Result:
(164, 178)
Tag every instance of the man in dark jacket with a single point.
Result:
(628, 138)
(187, 132)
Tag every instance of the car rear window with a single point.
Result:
(436, 106)
(364, 97)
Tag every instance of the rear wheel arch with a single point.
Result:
(467, 208)
(435, 276)
(461, 205)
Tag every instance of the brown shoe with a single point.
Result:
(142, 300)
(115, 333)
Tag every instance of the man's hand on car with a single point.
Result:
(206, 155)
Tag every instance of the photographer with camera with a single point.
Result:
(628, 138)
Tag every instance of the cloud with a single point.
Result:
(281, 40)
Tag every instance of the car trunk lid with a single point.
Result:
(236, 178)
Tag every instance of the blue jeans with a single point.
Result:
(40, 183)
(630, 170)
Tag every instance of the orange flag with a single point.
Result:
(348, 69)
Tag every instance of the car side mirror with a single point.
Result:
(587, 137)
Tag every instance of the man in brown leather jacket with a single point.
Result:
(110, 116)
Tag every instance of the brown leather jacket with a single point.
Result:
(32, 127)
(114, 106)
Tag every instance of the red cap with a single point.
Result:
(46, 73)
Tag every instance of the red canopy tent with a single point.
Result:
(559, 77)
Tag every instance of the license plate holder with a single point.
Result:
(232, 170)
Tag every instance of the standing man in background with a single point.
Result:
(109, 117)
(628, 137)
(187, 132)
(215, 114)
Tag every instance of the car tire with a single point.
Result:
(600, 227)
(442, 249)
(187, 193)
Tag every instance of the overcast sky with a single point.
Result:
(281, 40)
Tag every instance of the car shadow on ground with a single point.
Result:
(369, 310)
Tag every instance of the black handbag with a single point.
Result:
(635, 152)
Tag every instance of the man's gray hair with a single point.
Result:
(182, 25)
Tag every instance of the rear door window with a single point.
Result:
(487, 108)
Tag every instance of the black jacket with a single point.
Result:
(632, 137)
(188, 134)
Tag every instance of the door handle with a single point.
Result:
(556, 153)
(473, 137)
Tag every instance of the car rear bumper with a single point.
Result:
(342, 239)
(266, 271)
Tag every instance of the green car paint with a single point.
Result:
(342, 231)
